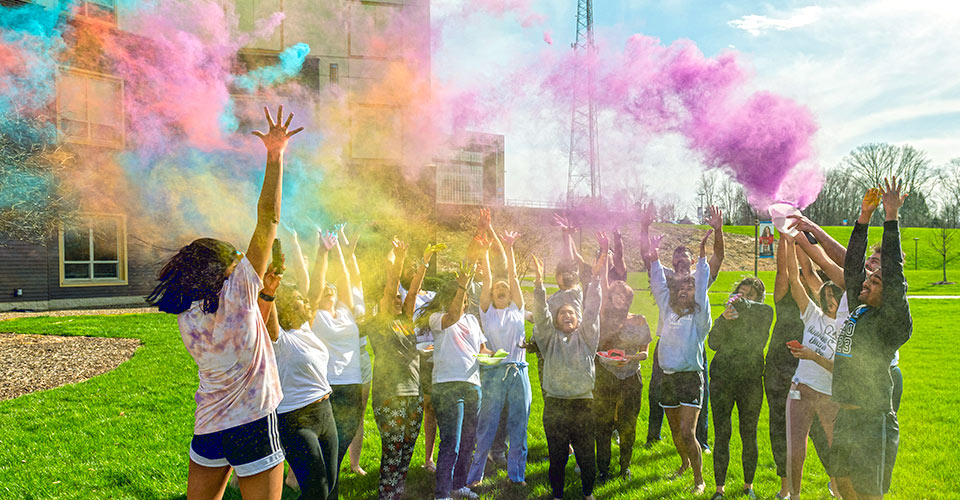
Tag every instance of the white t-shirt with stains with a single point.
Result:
(235, 360)
(820, 335)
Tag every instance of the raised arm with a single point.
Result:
(467, 268)
(499, 259)
(268, 310)
(819, 255)
(542, 320)
(716, 222)
(702, 278)
(781, 283)
(351, 256)
(410, 301)
(394, 266)
(516, 294)
(346, 284)
(854, 273)
(807, 273)
(833, 248)
(895, 308)
(793, 273)
(319, 278)
(298, 264)
(600, 267)
(486, 287)
(658, 281)
(592, 302)
(619, 266)
(268, 206)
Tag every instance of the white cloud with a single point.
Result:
(758, 25)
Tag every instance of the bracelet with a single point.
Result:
(268, 298)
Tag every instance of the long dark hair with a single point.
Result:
(674, 288)
(445, 294)
(754, 283)
(196, 272)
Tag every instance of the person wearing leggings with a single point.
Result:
(738, 336)
(619, 387)
(569, 347)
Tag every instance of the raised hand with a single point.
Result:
(508, 237)
(328, 240)
(871, 200)
(432, 249)
(399, 248)
(563, 222)
(277, 135)
(339, 228)
(716, 218)
(703, 241)
(272, 278)
(537, 269)
(892, 199)
(801, 223)
(648, 212)
(484, 221)
(604, 242)
(656, 239)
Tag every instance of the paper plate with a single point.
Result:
(423, 346)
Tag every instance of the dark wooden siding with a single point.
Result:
(24, 266)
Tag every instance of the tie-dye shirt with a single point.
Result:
(234, 355)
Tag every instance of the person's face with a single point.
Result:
(567, 319)
(501, 295)
(619, 299)
(872, 291)
(685, 294)
(297, 310)
(681, 263)
(831, 302)
(328, 297)
(873, 263)
(748, 292)
(233, 265)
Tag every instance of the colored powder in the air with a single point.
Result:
(291, 62)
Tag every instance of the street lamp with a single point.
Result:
(915, 240)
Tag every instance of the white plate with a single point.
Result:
(422, 346)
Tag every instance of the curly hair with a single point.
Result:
(675, 286)
(196, 272)
(756, 284)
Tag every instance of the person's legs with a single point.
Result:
(655, 417)
(673, 420)
(607, 394)
(722, 402)
(820, 444)
(448, 402)
(581, 422)
(204, 483)
(558, 443)
(429, 433)
(498, 450)
(801, 407)
(494, 395)
(776, 386)
(395, 419)
(356, 446)
(345, 402)
(630, 405)
(411, 429)
(749, 405)
(309, 438)
(688, 434)
(266, 485)
(519, 400)
(468, 434)
(703, 420)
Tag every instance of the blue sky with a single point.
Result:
(877, 71)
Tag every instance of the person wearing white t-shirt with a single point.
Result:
(458, 340)
(214, 291)
(809, 394)
(335, 324)
(506, 385)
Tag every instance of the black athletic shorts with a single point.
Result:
(250, 448)
(681, 389)
(865, 448)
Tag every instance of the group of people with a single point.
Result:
(284, 370)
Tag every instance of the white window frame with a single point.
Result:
(463, 177)
(121, 260)
(89, 140)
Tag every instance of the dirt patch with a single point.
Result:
(78, 312)
(31, 363)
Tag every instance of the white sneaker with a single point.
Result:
(465, 492)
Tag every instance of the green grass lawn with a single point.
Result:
(124, 434)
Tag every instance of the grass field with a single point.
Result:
(125, 434)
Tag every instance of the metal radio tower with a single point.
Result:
(584, 169)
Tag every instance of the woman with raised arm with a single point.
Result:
(506, 385)
(619, 387)
(458, 340)
(397, 400)
(809, 394)
(738, 336)
(213, 289)
(308, 431)
(684, 324)
(569, 347)
(336, 325)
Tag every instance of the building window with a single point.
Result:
(90, 108)
(460, 184)
(101, 10)
(93, 251)
(334, 73)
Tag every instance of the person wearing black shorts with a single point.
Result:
(866, 433)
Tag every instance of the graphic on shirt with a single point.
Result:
(845, 336)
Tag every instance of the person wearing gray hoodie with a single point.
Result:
(569, 346)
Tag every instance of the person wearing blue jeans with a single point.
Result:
(458, 340)
(506, 385)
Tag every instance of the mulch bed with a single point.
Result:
(31, 363)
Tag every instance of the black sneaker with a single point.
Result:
(717, 496)
(603, 477)
(749, 493)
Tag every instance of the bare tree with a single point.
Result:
(949, 184)
(707, 190)
(838, 199)
(870, 163)
(943, 244)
